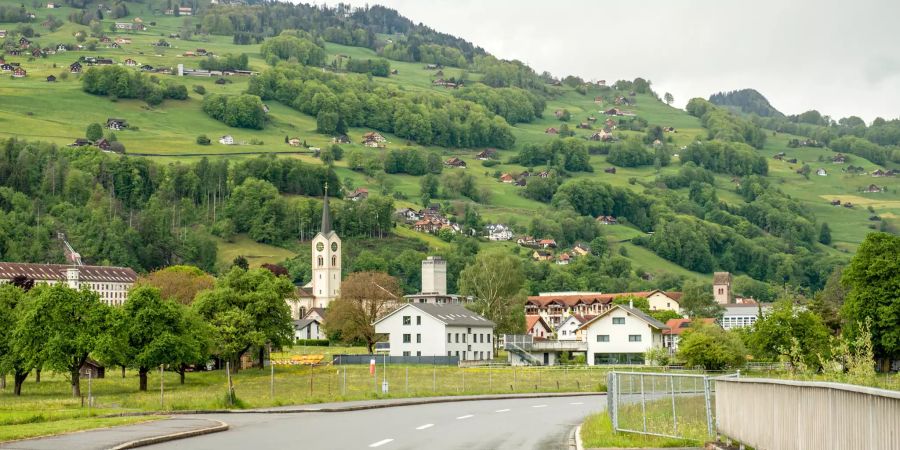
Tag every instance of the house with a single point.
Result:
(874, 189)
(779, 156)
(607, 220)
(613, 112)
(75, 67)
(878, 173)
(116, 124)
(424, 329)
(51, 5)
(129, 26)
(584, 126)
(563, 259)
(544, 174)
(676, 327)
(568, 329)
(51, 79)
(669, 130)
(601, 135)
(61, 48)
(19, 72)
(24, 42)
(526, 241)
(2, 33)
(294, 142)
(507, 178)
(542, 255)
(610, 170)
(455, 162)
(536, 326)
(185, 11)
(341, 139)
(226, 140)
(110, 283)
(486, 154)
(122, 40)
(358, 194)
(146, 68)
(92, 369)
(551, 130)
(621, 335)
(822, 172)
(835, 203)
(131, 62)
(6, 67)
(559, 113)
(308, 329)
(407, 214)
(498, 232)
(103, 144)
(201, 52)
(598, 100)
(547, 243)
(374, 137)
(848, 205)
(838, 159)
(581, 249)
(80, 142)
(792, 160)
(554, 306)
(37, 53)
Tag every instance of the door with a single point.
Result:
(546, 359)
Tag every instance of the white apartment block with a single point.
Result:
(111, 283)
(424, 329)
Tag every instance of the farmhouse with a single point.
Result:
(563, 259)
(103, 144)
(116, 124)
(621, 335)
(536, 326)
(424, 329)
(878, 173)
(51, 79)
(551, 130)
(498, 232)
(111, 283)
(129, 26)
(486, 154)
(358, 194)
(874, 189)
(455, 162)
(838, 159)
(373, 137)
(607, 220)
(822, 172)
(507, 178)
(341, 139)
(601, 135)
(131, 62)
(294, 142)
(542, 255)
(122, 40)
(19, 72)
(6, 67)
(226, 140)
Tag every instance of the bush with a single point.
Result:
(203, 140)
(313, 342)
(199, 89)
(117, 147)
(490, 163)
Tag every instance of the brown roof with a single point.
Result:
(57, 272)
(722, 278)
(591, 298)
(677, 326)
(532, 319)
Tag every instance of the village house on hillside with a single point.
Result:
(553, 306)
(116, 124)
(486, 154)
(373, 139)
(226, 140)
(838, 159)
(358, 194)
(551, 130)
(455, 162)
(498, 232)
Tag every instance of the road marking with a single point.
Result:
(380, 443)
(539, 406)
(427, 425)
(576, 403)
(465, 416)
(502, 410)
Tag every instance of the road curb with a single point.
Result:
(575, 439)
(219, 427)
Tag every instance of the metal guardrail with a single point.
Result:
(799, 415)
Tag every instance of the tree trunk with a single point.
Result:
(37, 375)
(181, 374)
(262, 354)
(76, 381)
(3, 380)
(142, 373)
(123, 372)
(19, 379)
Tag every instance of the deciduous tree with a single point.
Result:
(496, 281)
(365, 297)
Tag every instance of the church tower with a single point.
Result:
(326, 261)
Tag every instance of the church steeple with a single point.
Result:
(326, 213)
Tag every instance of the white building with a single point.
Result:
(422, 329)
(434, 284)
(308, 328)
(536, 326)
(226, 140)
(498, 232)
(621, 335)
(568, 329)
(742, 315)
(111, 283)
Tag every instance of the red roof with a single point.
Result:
(532, 319)
(677, 326)
(591, 298)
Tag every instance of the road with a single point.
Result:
(534, 423)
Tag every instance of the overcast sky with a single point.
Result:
(839, 57)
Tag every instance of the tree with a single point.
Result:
(697, 300)
(825, 234)
(13, 357)
(788, 330)
(496, 281)
(94, 132)
(668, 98)
(873, 278)
(711, 347)
(179, 283)
(241, 262)
(365, 297)
(247, 310)
(62, 327)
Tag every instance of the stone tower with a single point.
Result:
(434, 275)
(722, 288)
(326, 261)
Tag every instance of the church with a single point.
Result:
(325, 284)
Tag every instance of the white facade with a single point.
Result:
(437, 330)
(434, 275)
(326, 261)
(737, 316)
(226, 140)
(499, 232)
(110, 283)
(568, 329)
(659, 301)
(308, 329)
(621, 336)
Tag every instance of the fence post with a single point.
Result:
(433, 378)
(160, 388)
(90, 398)
(643, 404)
(344, 382)
(674, 417)
(407, 381)
(490, 379)
(272, 374)
(709, 422)
(230, 386)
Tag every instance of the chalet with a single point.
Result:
(838, 159)
(507, 178)
(874, 189)
(428, 225)
(407, 214)
(37, 53)
(611, 170)
(835, 202)
(544, 174)
(498, 232)
(601, 136)
(486, 154)
(75, 67)
(341, 139)
(2, 33)
(6, 67)
(13, 52)
(848, 205)
(103, 144)
(669, 130)
(542, 255)
(536, 326)
(116, 124)
(591, 119)
(294, 142)
(226, 140)
(358, 194)
(122, 40)
(607, 220)
(61, 48)
(779, 156)
(878, 173)
(103, 62)
(129, 26)
(551, 130)
(547, 243)
(584, 126)
(526, 241)
(563, 259)
(792, 160)
(622, 101)
(80, 142)
(51, 79)
(24, 42)
(105, 39)
(432, 66)
(581, 249)
(598, 100)
(131, 62)
(19, 72)
(373, 136)
(185, 11)
(613, 112)
(146, 68)
(455, 162)
(822, 172)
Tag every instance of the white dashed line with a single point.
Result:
(576, 403)
(539, 406)
(380, 443)
(502, 410)
(465, 416)
(427, 425)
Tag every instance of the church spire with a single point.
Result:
(326, 213)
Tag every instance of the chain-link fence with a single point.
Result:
(662, 404)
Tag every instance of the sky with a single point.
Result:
(839, 57)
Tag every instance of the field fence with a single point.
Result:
(675, 405)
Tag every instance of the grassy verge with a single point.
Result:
(51, 427)
(597, 431)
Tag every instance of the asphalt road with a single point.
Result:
(533, 423)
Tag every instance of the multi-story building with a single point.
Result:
(424, 329)
(622, 335)
(111, 283)
(556, 306)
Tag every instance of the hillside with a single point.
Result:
(738, 229)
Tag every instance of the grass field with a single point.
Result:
(597, 432)
(256, 253)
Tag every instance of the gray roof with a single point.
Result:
(303, 323)
(653, 322)
(57, 272)
(326, 214)
(451, 314)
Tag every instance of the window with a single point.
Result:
(489, 339)
(406, 353)
(418, 320)
(634, 338)
(321, 261)
(448, 353)
(464, 338)
(469, 347)
(418, 338)
(334, 260)
(457, 338)
(418, 353)
(448, 339)
(457, 353)
(721, 291)
(618, 321)
(407, 320)
(469, 330)
(602, 338)
(489, 355)
(407, 338)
